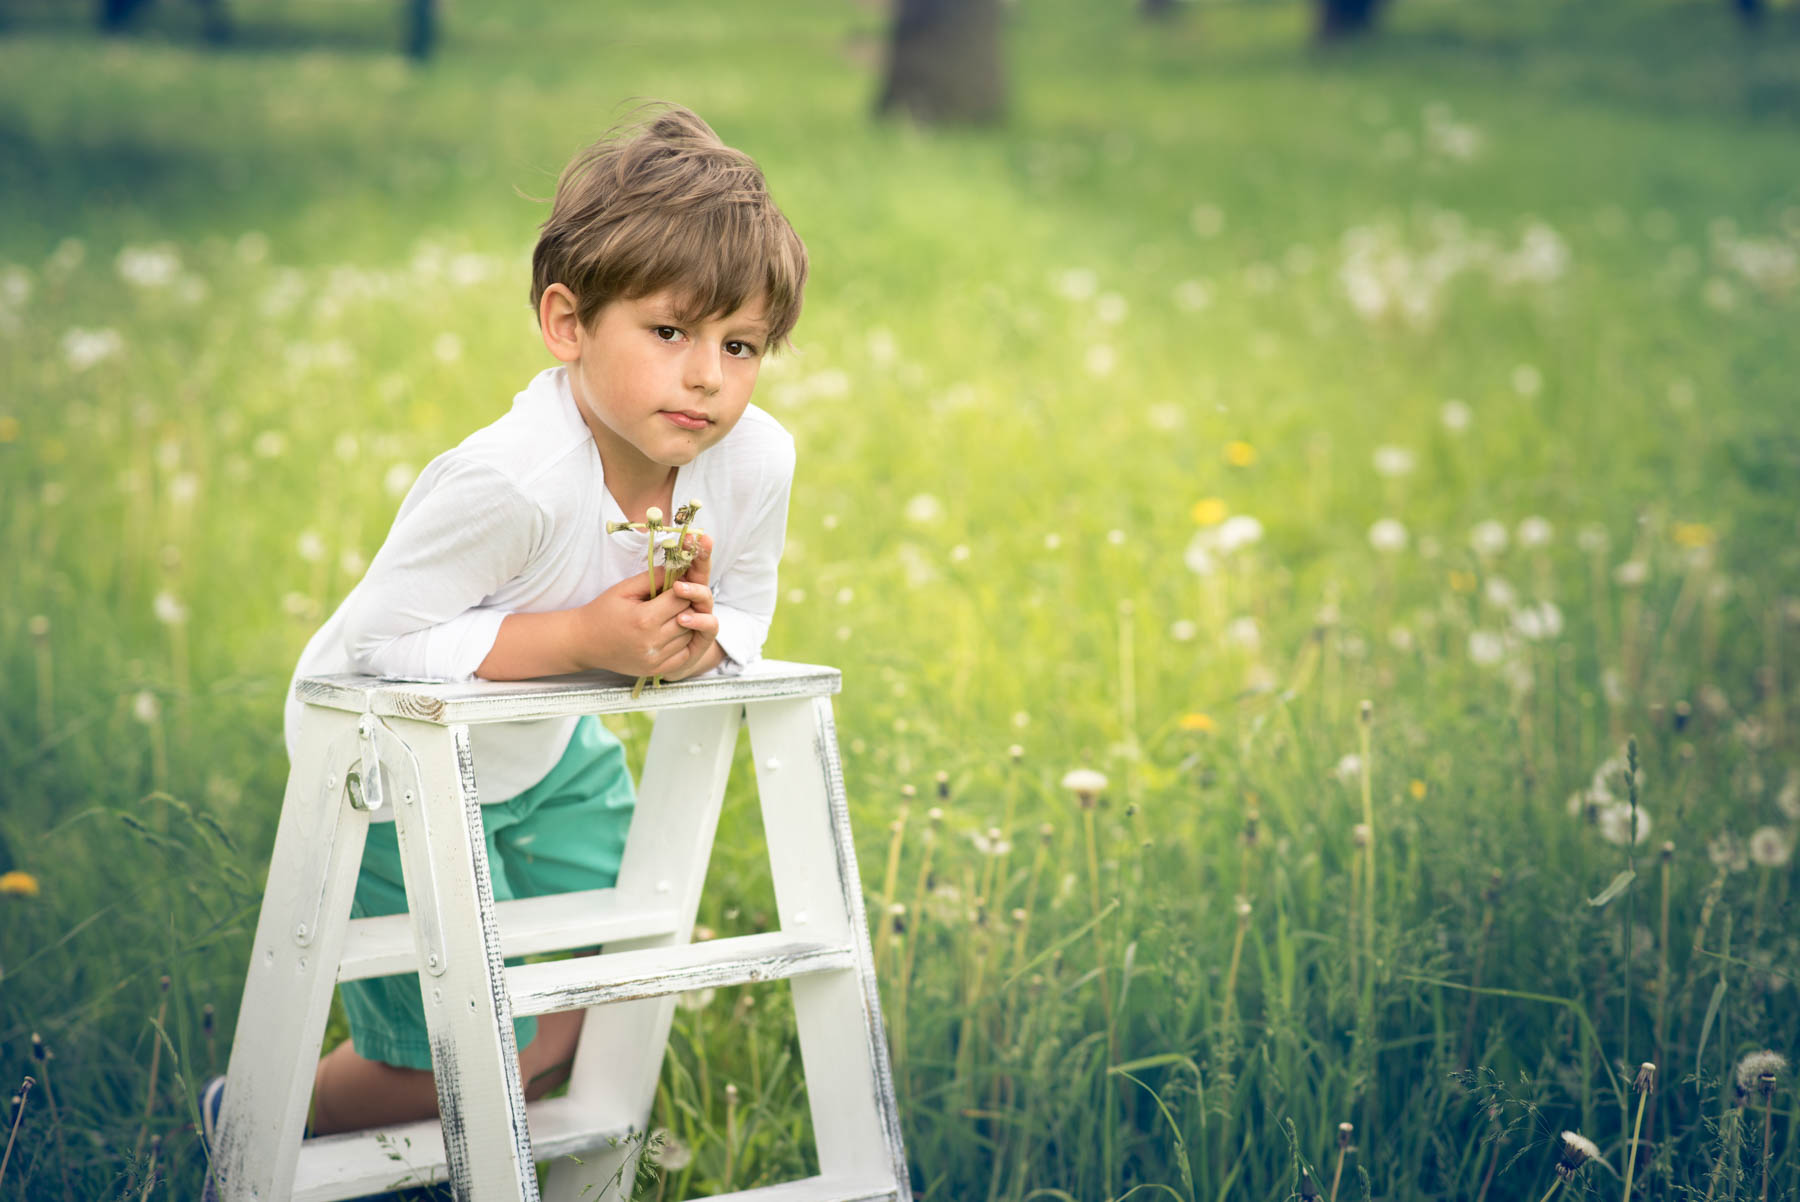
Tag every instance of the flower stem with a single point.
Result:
(1631, 1158)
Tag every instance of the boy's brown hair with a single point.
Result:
(660, 202)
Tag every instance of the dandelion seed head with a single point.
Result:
(1577, 1150)
(1488, 538)
(168, 609)
(1727, 851)
(1771, 847)
(145, 707)
(1387, 535)
(1393, 461)
(1348, 768)
(1456, 416)
(1757, 1072)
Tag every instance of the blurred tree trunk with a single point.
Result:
(1346, 18)
(421, 32)
(944, 61)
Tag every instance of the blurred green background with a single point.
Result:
(1226, 380)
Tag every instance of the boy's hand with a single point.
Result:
(703, 651)
(634, 631)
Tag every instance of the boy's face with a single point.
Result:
(654, 389)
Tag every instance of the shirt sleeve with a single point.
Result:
(744, 597)
(420, 611)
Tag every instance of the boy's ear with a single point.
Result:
(559, 321)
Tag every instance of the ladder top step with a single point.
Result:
(476, 701)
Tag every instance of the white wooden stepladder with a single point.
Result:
(370, 749)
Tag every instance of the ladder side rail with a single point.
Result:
(818, 894)
(619, 1059)
(287, 990)
(481, 1100)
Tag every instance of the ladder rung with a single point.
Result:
(653, 972)
(376, 947)
(365, 1162)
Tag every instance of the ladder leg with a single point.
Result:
(293, 964)
(818, 892)
(450, 896)
(620, 1057)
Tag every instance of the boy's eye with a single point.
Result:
(740, 350)
(666, 333)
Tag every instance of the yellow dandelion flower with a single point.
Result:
(1239, 453)
(1693, 534)
(19, 884)
(1417, 789)
(9, 428)
(1209, 511)
(1461, 581)
(1198, 721)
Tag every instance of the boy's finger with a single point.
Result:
(700, 622)
(700, 571)
(639, 586)
(696, 594)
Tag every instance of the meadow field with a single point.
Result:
(1361, 460)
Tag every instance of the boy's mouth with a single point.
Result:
(687, 419)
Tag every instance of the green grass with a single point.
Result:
(1004, 321)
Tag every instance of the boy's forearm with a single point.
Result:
(531, 645)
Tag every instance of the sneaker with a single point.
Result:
(212, 1101)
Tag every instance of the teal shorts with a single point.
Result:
(565, 833)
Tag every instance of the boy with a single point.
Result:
(663, 275)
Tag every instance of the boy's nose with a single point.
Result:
(703, 372)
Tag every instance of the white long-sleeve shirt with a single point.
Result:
(513, 520)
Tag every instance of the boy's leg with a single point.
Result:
(565, 833)
(382, 1074)
(351, 1092)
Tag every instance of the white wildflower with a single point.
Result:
(1456, 416)
(1614, 821)
(1771, 847)
(1077, 283)
(1488, 538)
(82, 349)
(270, 444)
(1183, 630)
(1238, 530)
(1387, 535)
(1400, 638)
(1631, 573)
(1198, 556)
(1486, 647)
(146, 708)
(1100, 360)
(1348, 768)
(668, 1153)
(924, 508)
(1727, 851)
(310, 546)
(1111, 308)
(1534, 531)
(1392, 461)
(1243, 632)
(1788, 799)
(398, 479)
(1592, 538)
(1085, 783)
(149, 266)
(1500, 593)
(1527, 380)
(169, 610)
